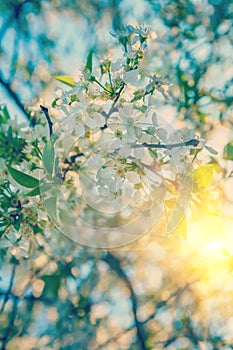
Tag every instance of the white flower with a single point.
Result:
(104, 191)
(135, 44)
(145, 32)
(133, 177)
(125, 150)
(79, 129)
(132, 77)
(106, 172)
(40, 131)
(94, 89)
(94, 162)
(139, 153)
(115, 184)
(90, 122)
(116, 66)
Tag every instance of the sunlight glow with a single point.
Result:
(213, 248)
(210, 236)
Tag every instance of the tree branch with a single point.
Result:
(192, 142)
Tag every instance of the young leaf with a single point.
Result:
(217, 166)
(181, 229)
(89, 60)
(211, 150)
(23, 179)
(203, 176)
(228, 151)
(65, 79)
(48, 157)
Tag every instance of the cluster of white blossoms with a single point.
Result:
(115, 151)
(109, 111)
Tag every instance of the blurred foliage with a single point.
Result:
(154, 294)
(32, 43)
(196, 47)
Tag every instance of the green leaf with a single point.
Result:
(14, 261)
(5, 116)
(2, 224)
(10, 134)
(65, 79)
(38, 190)
(52, 285)
(203, 176)
(56, 168)
(89, 60)
(34, 192)
(228, 151)
(50, 205)
(48, 157)
(54, 103)
(23, 179)
(73, 98)
(18, 223)
(153, 153)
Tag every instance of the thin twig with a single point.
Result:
(5, 338)
(114, 339)
(112, 109)
(115, 265)
(192, 142)
(8, 292)
(150, 168)
(50, 123)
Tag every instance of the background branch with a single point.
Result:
(7, 87)
(8, 292)
(12, 318)
(115, 265)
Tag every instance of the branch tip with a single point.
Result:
(50, 123)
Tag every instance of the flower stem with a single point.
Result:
(103, 87)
